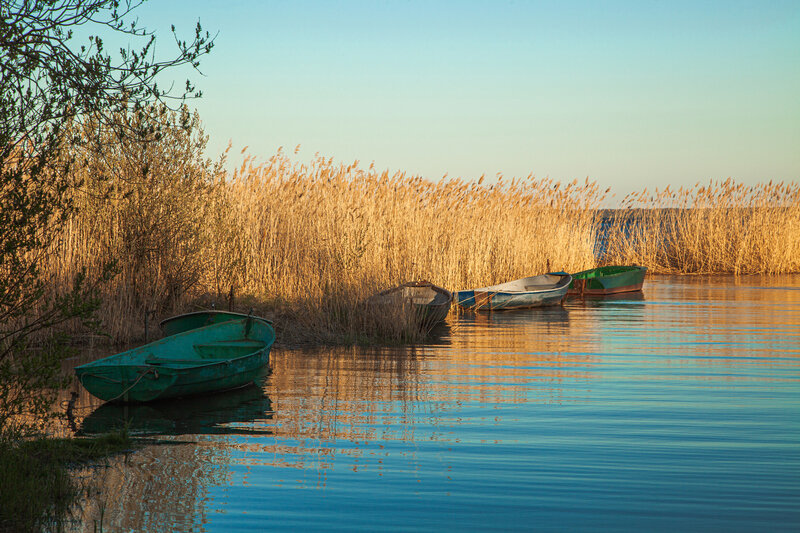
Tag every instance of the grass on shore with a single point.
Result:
(37, 491)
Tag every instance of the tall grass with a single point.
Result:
(722, 227)
(307, 243)
(143, 208)
(324, 236)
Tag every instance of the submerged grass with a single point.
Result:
(37, 491)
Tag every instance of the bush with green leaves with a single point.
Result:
(51, 83)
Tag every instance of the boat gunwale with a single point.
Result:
(629, 269)
(165, 363)
(212, 311)
(213, 361)
(103, 362)
(566, 279)
(421, 284)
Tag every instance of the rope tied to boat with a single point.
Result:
(483, 299)
(249, 324)
(150, 370)
(142, 375)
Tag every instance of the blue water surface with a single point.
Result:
(673, 410)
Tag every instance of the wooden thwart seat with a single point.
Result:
(227, 349)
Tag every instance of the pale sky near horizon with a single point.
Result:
(630, 94)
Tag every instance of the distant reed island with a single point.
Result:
(305, 244)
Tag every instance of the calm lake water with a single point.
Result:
(675, 410)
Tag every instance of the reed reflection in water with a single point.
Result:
(676, 410)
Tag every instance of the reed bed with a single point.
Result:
(722, 227)
(141, 211)
(307, 243)
(324, 236)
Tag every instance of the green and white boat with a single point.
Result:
(213, 358)
(607, 280)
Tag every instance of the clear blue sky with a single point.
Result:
(630, 94)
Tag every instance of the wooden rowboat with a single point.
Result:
(608, 280)
(213, 358)
(199, 319)
(534, 291)
(431, 302)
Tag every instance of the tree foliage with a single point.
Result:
(52, 84)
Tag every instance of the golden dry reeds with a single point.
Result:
(722, 227)
(142, 208)
(324, 236)
(308, 243)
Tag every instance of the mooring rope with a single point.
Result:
(132, 385)
(143, 374)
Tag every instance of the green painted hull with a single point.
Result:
(213, 358)
(198, 319)
(608, 280)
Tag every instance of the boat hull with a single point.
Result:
(148, 383)
(608, 280)
(430, 302)
(496, 299)
(211, 359)
(433, 314)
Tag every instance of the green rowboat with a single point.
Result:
(213, 358)
(198, 319)
(608, 280)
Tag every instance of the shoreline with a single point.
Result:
(290, 336)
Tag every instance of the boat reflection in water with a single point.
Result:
(635, 296)
(228, 413)
(621, 307)
(190, 448)
(554, 315)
